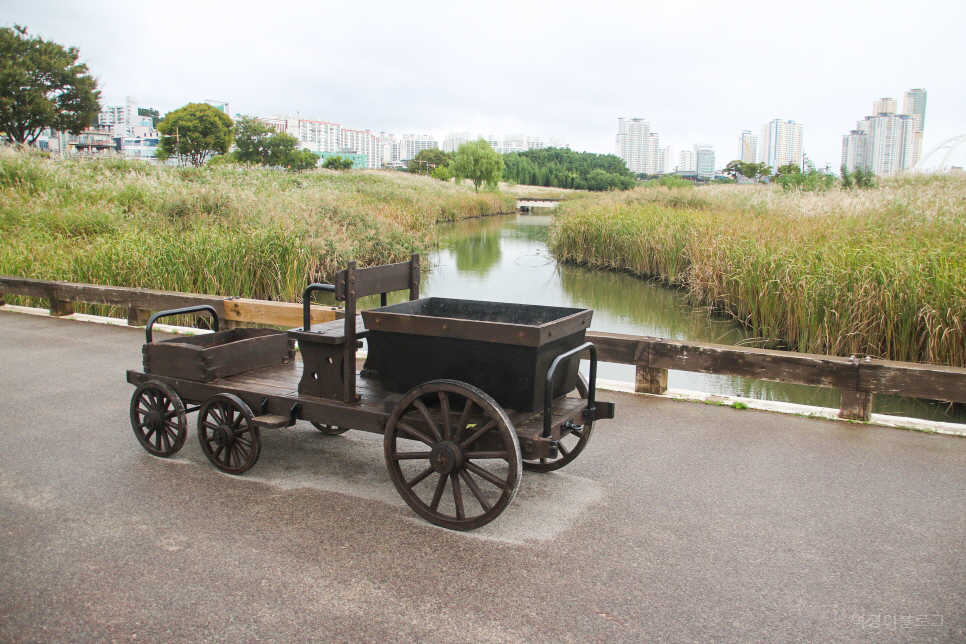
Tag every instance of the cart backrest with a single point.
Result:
(353, 283)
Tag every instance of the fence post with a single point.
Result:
(650, 381)
(57, 306)
(137, 317)
(856, 405)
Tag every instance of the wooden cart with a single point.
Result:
(467, 394)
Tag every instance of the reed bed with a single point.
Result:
(224, 230)
(877, 272)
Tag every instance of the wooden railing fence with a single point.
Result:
(858, 378)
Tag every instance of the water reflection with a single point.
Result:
(505, 258)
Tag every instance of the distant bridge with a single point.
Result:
(526, 205)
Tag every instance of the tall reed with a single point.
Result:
(879, 272)
(226, 230)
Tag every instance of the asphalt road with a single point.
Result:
(682, 522)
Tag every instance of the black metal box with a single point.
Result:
(211, 356)
(504, 349)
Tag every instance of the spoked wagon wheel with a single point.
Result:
(226, 433)
(158, 418)
(572, 441)
(453, 454)
(331, 430)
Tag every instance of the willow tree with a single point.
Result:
(479, 163)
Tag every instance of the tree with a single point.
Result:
(296, 161)
(338, 163)
(426, 161)
(735, 169)
(757, 171)
(479, 163)
(253, 140)
(787, 169)
(194, 133)
(43, 86)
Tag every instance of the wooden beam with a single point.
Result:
(283, 314)
(913, 380)
(761, 364)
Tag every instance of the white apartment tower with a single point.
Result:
(781, 143)
(412, 144)
(886, 142)
(749, 147)
(638, 147)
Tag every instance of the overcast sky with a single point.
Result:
(699, 71)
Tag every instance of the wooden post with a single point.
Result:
(2, 301)
(60, 307)
(856, 405)
(650, 381)
(137, 317)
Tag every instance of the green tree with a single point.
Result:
(194, 133)
(253, 140)
(426, 161)
(295, 161)
(735, 169)
(847, 181)
(757, 171)
(43, 86)
(479, 163)
(338, 163)
(787, 169)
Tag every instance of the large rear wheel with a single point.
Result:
(453, 454)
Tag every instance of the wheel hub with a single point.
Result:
(446, 457)
(153, 420)
(224, 435)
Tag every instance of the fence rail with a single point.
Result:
(858, 378)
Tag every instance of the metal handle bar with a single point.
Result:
(548, 390)
(191, 309)
(307, 302)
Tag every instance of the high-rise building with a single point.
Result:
(639, 148)
(453, 141)
(412, 144)
(704, 161)
(886, 142)
(781, 143)
(749, 147)
(914, 104)
(687, 161)
(884, 106)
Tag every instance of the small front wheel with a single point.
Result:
(158, 418)
(453, 454)
(226, 433)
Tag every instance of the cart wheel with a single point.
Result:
(158, 418)
(226, 433)
(331, 430)
(572, 442)
(453, 454)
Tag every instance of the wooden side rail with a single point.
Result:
(858, 379)
(141, 303)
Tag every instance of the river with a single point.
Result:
(505, 258)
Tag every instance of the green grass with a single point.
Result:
(880, 272)
(224, 230)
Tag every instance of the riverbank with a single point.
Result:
(227, 230)
(878, 272)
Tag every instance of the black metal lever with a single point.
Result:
(191, 309)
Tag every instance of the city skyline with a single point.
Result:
(517, 68)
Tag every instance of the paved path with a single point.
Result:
(682, 522)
